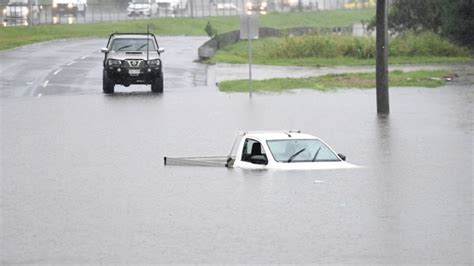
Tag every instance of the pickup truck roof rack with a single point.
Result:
(243, 133)
(287, 132)
(131, 33)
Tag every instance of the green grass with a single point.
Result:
(327, 18)
(332, 50)
(422, 78)
(11, 37)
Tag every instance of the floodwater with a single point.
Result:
(83, 179)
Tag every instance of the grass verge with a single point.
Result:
(422, 78)
(11, 37)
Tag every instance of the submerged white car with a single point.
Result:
(285, 150)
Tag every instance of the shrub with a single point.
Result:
(210, 30)
(325, 46)
(330, 46)
(424, 44)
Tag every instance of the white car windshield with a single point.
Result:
(301, 150)
(124, 44)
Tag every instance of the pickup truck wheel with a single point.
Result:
(107, 83)
(157, 84)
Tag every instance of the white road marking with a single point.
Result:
(29, 83)
(70, 63)
(39, 95)
(45, 84)
(57, 71)
(84, 57)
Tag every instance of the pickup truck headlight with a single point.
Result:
(114, 62)
(155, 62)
(70, 5)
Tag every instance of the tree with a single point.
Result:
(458, 22)
(453, 19)
(416, 15)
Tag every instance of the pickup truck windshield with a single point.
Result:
(124, 44)
(301, 150)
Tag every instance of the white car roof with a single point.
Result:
(277, 135)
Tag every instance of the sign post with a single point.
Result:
(250, 56)
(249, 31)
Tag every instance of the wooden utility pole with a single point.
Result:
(383, 105)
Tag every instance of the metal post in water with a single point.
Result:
(250, 56)
(383, 104)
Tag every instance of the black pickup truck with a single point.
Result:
(132, 58)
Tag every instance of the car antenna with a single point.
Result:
(147, 43)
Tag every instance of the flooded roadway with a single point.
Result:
(83, 179)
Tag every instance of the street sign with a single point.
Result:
(248, 27)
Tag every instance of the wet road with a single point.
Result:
(75, 67)
(83, 181)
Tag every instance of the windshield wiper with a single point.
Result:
(316, 155)
(294, 155)
(139, 48)
(123, 47)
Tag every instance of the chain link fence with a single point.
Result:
(33, 13)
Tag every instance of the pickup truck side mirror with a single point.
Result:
(342, 156)
(259, 159)
(161, 50)
(104, 50)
